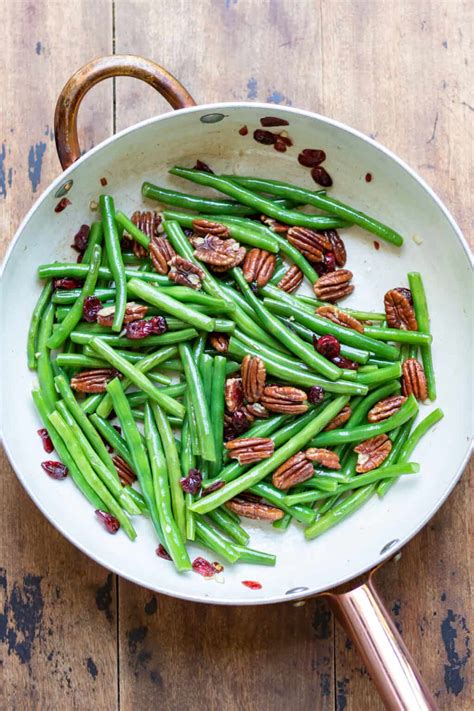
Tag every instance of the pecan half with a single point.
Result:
(148, 222)
(294, 471)
(338, 247)
(385, 408)
(206, 227)
(161, 253)
(93, 381)
(340, 419)
(257, 510)
(259, 266)
(372, 453)
(310, 243)
(340, 317)
(126, 475)
(254, 375)
(256, 409)
(284, 398)
(334, 286)
(234, 394)
(414, 379)
(274, 224)
(185, 273)
(220, 253)
(219, 341)
(322, 456)
(291, 279)
(133, 312)
(250, 449)
(399, 311)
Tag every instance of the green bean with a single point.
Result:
(381, 375)
(138, 499)
(423, 318)
(196, 390)
(237, 298)
(185, 294)
(277, 276)
(114, 256)
(278, 498)
(77, 454)
(36, 317)
(78, 360)
(282, 524)
(96, 236)
(79, 271)
(248, 555)
(160, 378)
(308, 197)
(137, 378)
(139, 398)
(166, 339)
(217, 410)
(398, 437)
(90, 404)
(341, 511)
(359, 315)
(43, 358)
(110, 434)
(355, 354)
(193, 431)
(188, 462)
(63, 453)
(211, 538)
(259, 471)
(220, 517)
(398, 335)
(68, 296)
(246, 197)
(193, 202)
(131, 259)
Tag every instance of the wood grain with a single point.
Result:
(399, 71)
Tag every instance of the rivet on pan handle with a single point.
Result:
(67, 106)
(367, 622)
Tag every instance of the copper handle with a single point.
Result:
(67, 106)
(367, 622)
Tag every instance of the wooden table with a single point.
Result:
(75, 636)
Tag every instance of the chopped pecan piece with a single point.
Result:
(372, 453)
(133, 312)
(414, 379)
(234, 394)
(257, 510)
(340, 317)
(310, 243)
(285, 399)
(334, 286)
(399, 310)
(93, 381)
(161, 253)
(385, 408)
(220, 253)
(291, 279)
(219, 341)
(256, 409)
(254, 375)
(250, 449)
(294, 471)
(322, 456)
(206, 227)
(126, 475)
(340, 419)
(148, 222)
(338, 247)
(274, 224)
(185, 273)
(259, 266)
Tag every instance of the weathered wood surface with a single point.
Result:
(74, 636)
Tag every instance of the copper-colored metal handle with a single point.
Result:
(367, 622)
(67, 106)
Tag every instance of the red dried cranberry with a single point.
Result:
(103, 181)
(62, 204)
(192, 483)
(345, 363)
(243, 131)
(92, 306)
(161, 552)
(56, 470)
(213, 487)
(111, 523)
(200, 165)
(268, 121)
(66, 283)
(266, 137)
(126, 243)
(368, 177)
(404, 292)
(327, 346)
(311, 157)
(315, 394)
(252, 584)
(156, 325)
(240, 422)
(321, 176)
(204, 567)
(188, 232)
(327, 265)
(79, 258)
(45, 438)
(81, 239)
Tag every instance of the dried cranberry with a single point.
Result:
(200, 165)
(92, 306)
(188, 232)
(47, 444)
(252, 584)
(66, 283)
(213, 487)
(110, 522)
(126, 243)
(321, 176)
(376, 245)
(268, 121)
(62, 204)
(266, 137)
(161, 552)
(103, 181)
(243, 131)
(315, 394)
(81, 239)
(192, 483)
(240, 422)
(56, 470)
(157, 325)
(368, 177)
(141, 329)
(327, 265)
(204, 567)
(79, 258)
(311, 157)
(327, 346)
(345, 363)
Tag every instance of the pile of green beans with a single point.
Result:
(165, 404)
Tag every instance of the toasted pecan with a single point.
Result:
(133, 312)
(414, 379)
(126, 474)
(386, 408)
(295, 470)
(161, 253)
(219, 341)
(253, 377)
(340, 317)
(326, 457)
(257, 510)
(250, 449)
(399, 310)
(148, 222)
(185, 273)
(291, 279)
(310, 243)
(372, 453)
(220, 253)
(338, 247)
(207, 227)
(274, 224)
(285, 399)
(93, 381)
(341, 418)
(334, 286)
(259, 266)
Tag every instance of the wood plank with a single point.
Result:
(58, 611)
